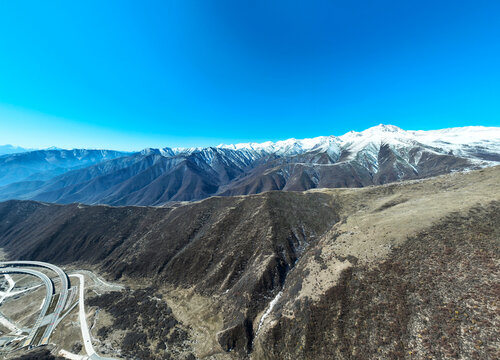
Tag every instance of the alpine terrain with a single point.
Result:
(383, 244)
(379, 155)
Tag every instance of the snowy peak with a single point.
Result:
(375, 130)
(289, 147)
(377, 135)
(331, 144)
(386, 128)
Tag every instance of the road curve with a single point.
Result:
(50, 291)
(62, 297)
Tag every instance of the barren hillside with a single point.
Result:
(406, 270)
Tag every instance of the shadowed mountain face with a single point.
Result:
(334, 273)
(379, 155)
(240, 247)
(123, 242)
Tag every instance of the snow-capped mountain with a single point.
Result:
(378, 155)
(457, 140)
(289, 147)
(453, 139)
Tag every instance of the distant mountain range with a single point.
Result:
(378, 155)
(10, 149)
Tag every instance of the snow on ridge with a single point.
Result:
(369, 140)
(289, 146)
(336, 143)
(269, 309)
(459, 135)
(381, 134)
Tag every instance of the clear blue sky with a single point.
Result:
(132, 74)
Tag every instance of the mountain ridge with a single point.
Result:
(11, 149)
(378, 155)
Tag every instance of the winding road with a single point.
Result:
(24, 267)
(87, 341)
(48, 296)
(15, 265)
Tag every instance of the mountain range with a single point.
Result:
(378, 155)
(10, 149)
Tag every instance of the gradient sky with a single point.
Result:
(132, 74)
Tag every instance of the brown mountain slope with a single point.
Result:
(241, 247)
(434, 297)
(358, 271)
(155, 177)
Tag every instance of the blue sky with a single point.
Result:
(132, 74)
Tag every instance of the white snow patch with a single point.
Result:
(68, 355)
(269, 309)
